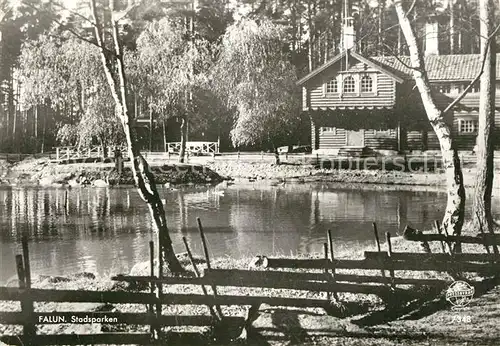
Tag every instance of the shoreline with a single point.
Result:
(42, 172)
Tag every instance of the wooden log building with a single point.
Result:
(358, 104)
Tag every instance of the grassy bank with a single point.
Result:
(298, 326)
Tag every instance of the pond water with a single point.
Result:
(107, 230)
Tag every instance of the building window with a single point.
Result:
(366, 84)
(442, 88)
(331, 86)
(475, 87)
(468, 126)
(445, 88)
(349, 85)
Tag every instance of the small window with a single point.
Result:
(442, 88)
(475, 87)
(445, 88)
(349, 85)
(468, 126)
(331, 86)
(366, 84)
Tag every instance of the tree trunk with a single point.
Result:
(452, 26)
(165, 145)
(182, 151)
(104, 148)
(310, 52)
(36, 128)
(144, 179)
(44, 126)
(380, 36)
(455, 208)
(484, 176)
(150, 129)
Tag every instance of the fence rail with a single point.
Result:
(194, 148)
(16, 157)
(78, 153)
(326, 280)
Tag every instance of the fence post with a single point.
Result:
(332, 264)
(389, 254)
(438, 229)
(377, 241)
(67, 153)
(238, 155)
(159, 286)
(154, 321)
(207, 258)
(57, 153)
(198, 275)
(28, 327)
(30, 330)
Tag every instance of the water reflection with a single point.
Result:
(107, 230)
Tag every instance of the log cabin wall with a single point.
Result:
(315, 141)
(381, 139)
(383, 94)
(466, 141)
(331, 138)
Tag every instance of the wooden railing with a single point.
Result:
(194, 148)
(76, 153)
(16, 157)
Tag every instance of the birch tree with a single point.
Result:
(114, 68)
(485, 150)
(455, 208)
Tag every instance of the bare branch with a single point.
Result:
(396, 56)
(126, 12)
(70, 30)
(411, 7)
(76, 13)
(105, 60)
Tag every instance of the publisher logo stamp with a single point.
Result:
(459, 294)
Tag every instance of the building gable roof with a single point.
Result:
(374, 64)
(322, 68)
(457, 67)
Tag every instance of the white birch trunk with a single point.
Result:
(143, 177)
(484, 176)
(454, 215)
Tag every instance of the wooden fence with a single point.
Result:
(194, 148)
(79, 153)
(325, 281)
(16, 157)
